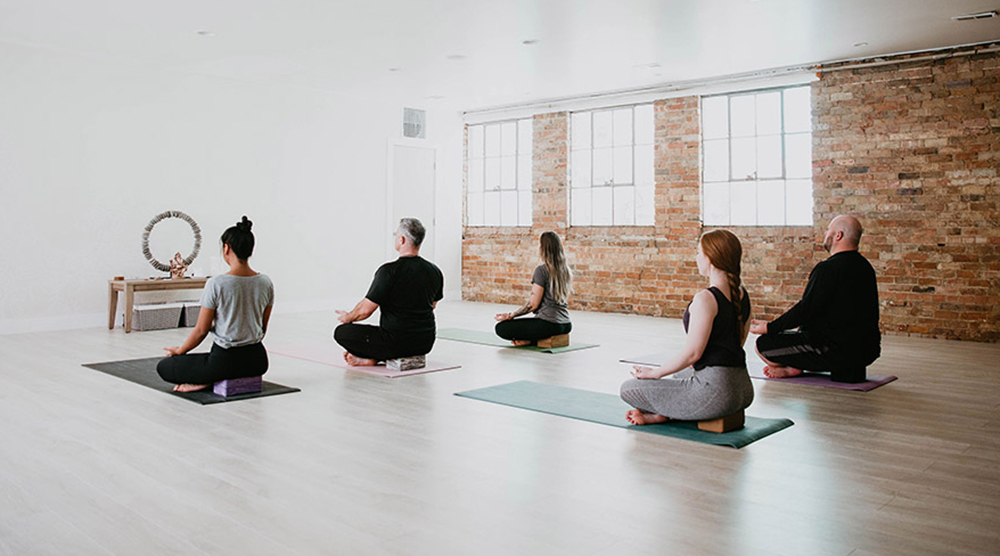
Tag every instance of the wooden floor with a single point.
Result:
(358, 465)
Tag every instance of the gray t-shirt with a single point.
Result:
(239, 303)
(549, 310)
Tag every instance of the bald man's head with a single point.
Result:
(843, 234)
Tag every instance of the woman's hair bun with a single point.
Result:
(244, 224)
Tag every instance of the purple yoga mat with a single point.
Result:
(808, 379)
(333, 355)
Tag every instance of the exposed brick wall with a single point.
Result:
(914, 148)
(911, 148)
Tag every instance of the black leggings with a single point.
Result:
(797, 349)
(372, 342)
(530, 329)
(218, 364)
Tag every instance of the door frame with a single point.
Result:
(390, 165)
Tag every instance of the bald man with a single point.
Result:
(834, 328)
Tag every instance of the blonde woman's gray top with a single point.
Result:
(549, 309)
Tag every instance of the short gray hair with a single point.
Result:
(413, 230)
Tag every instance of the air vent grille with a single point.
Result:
(414, 123)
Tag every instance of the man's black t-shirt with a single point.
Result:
(405, 291)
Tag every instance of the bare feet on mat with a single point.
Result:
(520, 343)
(781, 372)
(189, 387)
(356, 361)
(637, 417)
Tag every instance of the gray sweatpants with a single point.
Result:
(692, 395)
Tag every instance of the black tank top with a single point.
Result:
(724, 348)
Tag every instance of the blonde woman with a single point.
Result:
(550, 288)
(714, 382)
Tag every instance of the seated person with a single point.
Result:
(239, 302)
(406, 291)
(711, 378)
(550, 288)
(836, 322)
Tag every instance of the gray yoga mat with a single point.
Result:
(143, 371)
(491, 339)
(609, 409)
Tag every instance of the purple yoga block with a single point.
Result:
(235, 386)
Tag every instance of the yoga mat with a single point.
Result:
(329, 353)
(143, 371)
(806, 378)
(609, 409)
(491, 339)
(822, 379)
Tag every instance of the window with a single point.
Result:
(757, 158)
(611, 167)
(499, 174)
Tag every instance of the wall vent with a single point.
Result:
(414, 123)
(980, 15)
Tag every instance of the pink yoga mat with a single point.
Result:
(331, 354)
(807, 378)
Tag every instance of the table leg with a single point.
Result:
(129, 297)
(112, 305)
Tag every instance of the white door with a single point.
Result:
(412, 190)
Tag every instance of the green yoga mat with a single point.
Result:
(608, 409)
(491, 339)
(143, 371)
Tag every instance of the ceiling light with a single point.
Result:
(970, 17)
(860, 44)
(394, 69)
(206, 33)
(456, 57)
(530, 41)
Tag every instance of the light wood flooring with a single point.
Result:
(357, 465)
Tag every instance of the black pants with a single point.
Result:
(530, 329)
(218, 364)
(797, 349)
(373, 342)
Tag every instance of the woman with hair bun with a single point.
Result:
(715, 382)
(235, 307)
(550, 288)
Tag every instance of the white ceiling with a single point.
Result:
(468, 54)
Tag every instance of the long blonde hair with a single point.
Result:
(725, 252)
(560, 276)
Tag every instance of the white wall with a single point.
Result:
(92, 148)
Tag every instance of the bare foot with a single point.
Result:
(781, 372)
(356, 361)
(637, 417)
(520, 343)
(189, 387)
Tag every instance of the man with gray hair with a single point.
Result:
(407, 291)
(836, 322)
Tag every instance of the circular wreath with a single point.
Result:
(149, 228)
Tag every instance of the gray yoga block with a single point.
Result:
(406, 363)
(235, 386)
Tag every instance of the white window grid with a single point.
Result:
(611, 167)
(757, 158)
(498, 181)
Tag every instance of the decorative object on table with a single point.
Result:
(177, 267)
(186, 261)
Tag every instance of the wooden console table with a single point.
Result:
(129, 287)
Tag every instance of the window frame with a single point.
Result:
(524, 194)
(641, 215)
(783, 134)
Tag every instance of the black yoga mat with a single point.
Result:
(143, 371)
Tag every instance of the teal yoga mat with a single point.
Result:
(609, 409)
(491, 339)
